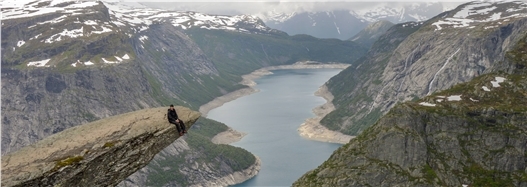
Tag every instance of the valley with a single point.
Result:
(414, 100)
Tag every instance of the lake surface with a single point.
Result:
(271, 118)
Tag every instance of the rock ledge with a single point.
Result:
(100, 153)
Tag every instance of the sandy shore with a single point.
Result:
(228, 137)
(311, 129)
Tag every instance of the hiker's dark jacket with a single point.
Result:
(172, 116)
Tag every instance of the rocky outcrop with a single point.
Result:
(101, 153)
(473, 134)
(416, 59)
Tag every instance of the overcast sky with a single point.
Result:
(254, 7)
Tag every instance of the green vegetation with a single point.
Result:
(237, 54)
(68, 161)
(167, 170)
(110, 144)
(429, 174)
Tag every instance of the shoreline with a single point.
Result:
(313, 130)
(237, 177)
(248, 80)
(310, 129)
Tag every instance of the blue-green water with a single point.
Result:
(271, 118)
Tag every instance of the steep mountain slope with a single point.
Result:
(415, 59)
(71, 74)
(350, 19)
(196, 150)
(239, 53)
(473, 134)
(371, 33)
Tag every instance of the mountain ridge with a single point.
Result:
(397, 68)
(344, 24)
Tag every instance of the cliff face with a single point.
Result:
(195, 161)
(413, 60)
(472, 134)
(101, 153)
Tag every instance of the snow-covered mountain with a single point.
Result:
(345, 23)
(487, 15)
(135, 15)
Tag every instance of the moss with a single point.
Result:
(68, 161)
(490, 178)
(110, 144)
(429, 174)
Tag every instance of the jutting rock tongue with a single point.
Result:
(101, 153)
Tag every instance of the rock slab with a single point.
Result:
(101, 153)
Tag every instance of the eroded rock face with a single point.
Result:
(413, 60)
(101, 153)
(449, 144)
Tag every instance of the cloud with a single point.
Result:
(232, 7)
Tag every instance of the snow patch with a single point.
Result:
(20, 43)
(90, 22)
(427, 104)
(485, 89)
(72, 34)
(41, 63)
(474, 100)
(338, 29)
(143, 38)
(110, 62)
(88, 63)
(496, 83)
(104, 30)
(454, 98)
(126, 57)
(476, 13)
(35, 37)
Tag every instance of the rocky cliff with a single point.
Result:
(473, 134)
(415, 59)
(195, 161)
(101, 153)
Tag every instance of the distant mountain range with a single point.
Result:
(345, 23)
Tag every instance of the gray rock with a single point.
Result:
(413, 60)
(101, 153)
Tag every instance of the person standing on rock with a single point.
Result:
(173, 118)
